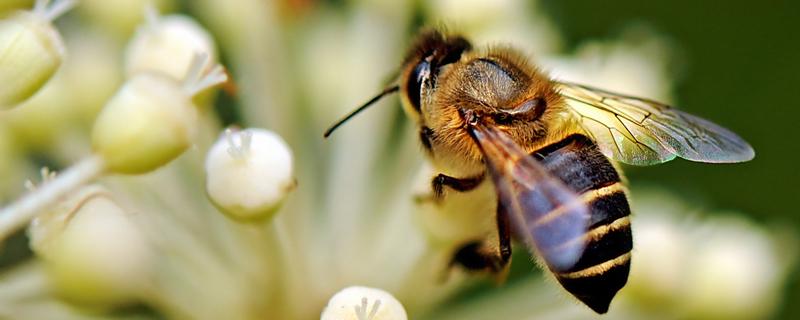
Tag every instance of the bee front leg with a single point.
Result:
(482, 256)
(460, 185)
(441, 181)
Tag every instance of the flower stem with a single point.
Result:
(21, 212)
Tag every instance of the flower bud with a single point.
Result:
(119, 17)
(249, 173)
(40, 122)
(735, 273)
(659, 272)
(31, 50)
(694, 267)
(362, 303)
(146, 124)
(151, 120)
(167, 44)
(92, 250)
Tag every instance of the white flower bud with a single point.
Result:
(167, 44)
(664, 249)
(629, 65)
(720, 267)
(735, 274)
(92, 250)
(31, 50)
(151, 120)
(249, 173)
(119, 17)
(362, 303)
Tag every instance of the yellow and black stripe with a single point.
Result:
(603, 267)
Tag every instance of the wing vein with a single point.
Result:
(651, 132)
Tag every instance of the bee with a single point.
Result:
(549, 148)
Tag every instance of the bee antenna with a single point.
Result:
(383, 93)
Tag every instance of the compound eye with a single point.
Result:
(420, 74)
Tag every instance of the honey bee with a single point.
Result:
(548, 148)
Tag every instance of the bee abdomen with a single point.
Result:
(603, 267)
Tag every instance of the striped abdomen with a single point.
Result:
(603, 267)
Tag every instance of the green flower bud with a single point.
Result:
(92, 250)
(151, 119)
(31, 50)
(149, 122)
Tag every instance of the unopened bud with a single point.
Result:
(92, 250)
(362, 303)
(31, 50)
(151, 119)
(119, 17)
(735, 272)
(167, 44)
(249, 173)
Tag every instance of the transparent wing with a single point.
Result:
(642, 132)
(544, 212)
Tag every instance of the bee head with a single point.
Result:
(431, 52)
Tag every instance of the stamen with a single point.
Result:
(196, 80)
(238, 142)
(151, 16)
(354, 303)
(22, 211)
(45, 175)
(361, 311)
(40, 7)
(55, 10)
(375, 307)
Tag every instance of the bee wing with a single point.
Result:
(545, 213)
(642, 132)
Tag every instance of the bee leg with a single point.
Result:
(504, 241)
(425, 136)
(461, 185)
(480, 256)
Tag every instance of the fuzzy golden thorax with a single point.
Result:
(505, 91)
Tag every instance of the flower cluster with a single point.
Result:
(162, 210)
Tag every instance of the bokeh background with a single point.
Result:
(299, 64)
(737, 67)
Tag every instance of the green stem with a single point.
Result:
(21, 212)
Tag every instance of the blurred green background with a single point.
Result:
(738, 66)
